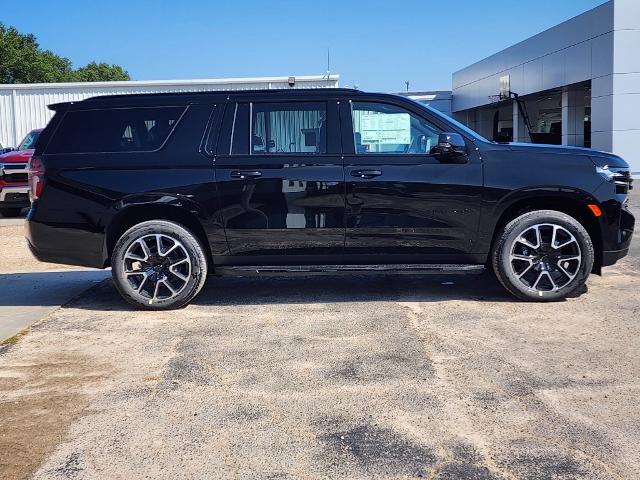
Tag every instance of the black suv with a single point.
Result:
(166, 188)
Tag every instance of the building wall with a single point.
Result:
(600, 47)
(616, 94)
(23, 107)
(577, 50)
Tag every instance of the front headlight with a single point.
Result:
(620, 176)
(606, 172)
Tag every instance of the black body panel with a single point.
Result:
(283, 203)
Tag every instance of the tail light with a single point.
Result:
(36, 177)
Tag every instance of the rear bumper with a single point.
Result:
(69, 246)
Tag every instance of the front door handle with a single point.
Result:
(366, 173)
(242, 175)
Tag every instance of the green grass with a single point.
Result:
(10, 341)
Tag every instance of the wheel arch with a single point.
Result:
(126, 214)
(573, 204)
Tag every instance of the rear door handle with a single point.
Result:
(366, 173)
(242, 175)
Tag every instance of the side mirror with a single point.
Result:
(452, 144)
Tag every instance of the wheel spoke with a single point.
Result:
(535, 284)
(171, 249)
(159, 244)
(155, 290)
(538, 236)
(568, 258)
(525, 258)
(542, 274)
(526, 242)
(182, 277)
(554, 242)
(144, 279)
(553, 236)
(521, 239)
(179, 262)
(553, 284)
(145, 248)
(521, 274)
(166, 284)
(564, 271)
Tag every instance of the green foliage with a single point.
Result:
(10, 341)
(100, 72)
(22, 61)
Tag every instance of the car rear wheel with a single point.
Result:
(10, 212)
(158, 265)
(543, 256)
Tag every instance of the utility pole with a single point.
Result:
(328, 63)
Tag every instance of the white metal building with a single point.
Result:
(23, 107)
(438, 99)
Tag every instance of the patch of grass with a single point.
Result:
(14, 339)
(10, 341)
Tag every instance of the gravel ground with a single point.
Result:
(331, 377)
(15, 255)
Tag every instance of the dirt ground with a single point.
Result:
(330, 377)
(16, 257)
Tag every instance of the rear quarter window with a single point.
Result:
(140, 129)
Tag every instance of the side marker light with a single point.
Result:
(595, 209)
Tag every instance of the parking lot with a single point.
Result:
(326, 377)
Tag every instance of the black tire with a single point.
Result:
(544, 265)
(187, 286)
(10, 212)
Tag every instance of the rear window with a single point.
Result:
(29, 141)
(142, 129)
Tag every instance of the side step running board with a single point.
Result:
(330, 269)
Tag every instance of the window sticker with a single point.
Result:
(385, 128)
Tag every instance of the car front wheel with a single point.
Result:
(543, 255)
(158, 265)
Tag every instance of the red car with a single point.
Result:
(14, 187)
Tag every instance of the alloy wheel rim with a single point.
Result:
(545, 257)
(157, 267)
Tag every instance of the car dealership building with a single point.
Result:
(577, 83)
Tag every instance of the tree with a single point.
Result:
(23, 61)
(100, 72)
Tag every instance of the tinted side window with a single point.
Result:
(114, 130)
(389, 129)
(288, 128)
(29, 141)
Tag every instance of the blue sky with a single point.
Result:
(375, 44)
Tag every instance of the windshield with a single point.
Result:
(29, 141)
(456, 123)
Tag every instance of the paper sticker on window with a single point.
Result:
(385, 128)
